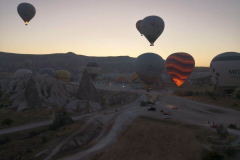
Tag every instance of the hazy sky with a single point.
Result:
(202, 28)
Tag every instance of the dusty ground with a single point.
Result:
(149, 139)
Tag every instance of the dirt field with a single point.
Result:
(147, 138)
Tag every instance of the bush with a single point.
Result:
(213, 155)
(232, 126)
(238, 95)
(196, 93)
(230, 151)
(44, 139)
(188, 93)
(4, 140)
(7, 121)
(235, 105)
(102, 101)
(61, 119)
(32, 134)
(143, 103)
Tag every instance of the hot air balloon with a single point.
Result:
(152, 27)
(120, 79)
(48, 71)
(63, 75)
(138, 24)
(179, 66)
(134, 78)
(225, 70)
(26, 11)
(28, 63)
(93, 69)
(22, 73)
(149, 66)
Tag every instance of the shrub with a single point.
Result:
(213, 155)
(188, 93)
(61, 119)
(238, 95)
(44, 139)
(235, 105)
(196, 93)
(7, 121)
(4, 140)
(232, 126)
(102, 101)
(32, 134)
(143, 103)
(230, 151)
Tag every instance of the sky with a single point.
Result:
(202, 28)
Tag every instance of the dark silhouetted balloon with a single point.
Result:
(149, 66)
(27, 63)
(138, 26)
(26, 11)
(120, 79)
(179, 66)
(152, 27)
(225, 69)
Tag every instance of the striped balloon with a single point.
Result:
(179, 66)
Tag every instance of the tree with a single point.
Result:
(61, 119)
(7, 121)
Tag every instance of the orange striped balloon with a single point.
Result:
(179, 66)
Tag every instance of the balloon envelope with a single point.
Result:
(63, 75)
(152, 27)
(22, 73)
(149, 66)
(48, 71)
(225, 70)
(138, 24)
(93, 69)
(134, 78)
(179, 66)
(26, 11)
(120, 79)
(27, 62)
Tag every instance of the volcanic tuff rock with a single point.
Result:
(87, 90)
(32, 94)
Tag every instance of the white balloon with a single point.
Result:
(22, 73)
(225, 70)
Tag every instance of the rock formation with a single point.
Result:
(87, 90)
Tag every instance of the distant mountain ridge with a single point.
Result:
(10, 62)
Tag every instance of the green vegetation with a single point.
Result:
(7, 121)
(102, 101)
(61, 119)
(213, 155)
(143, 103)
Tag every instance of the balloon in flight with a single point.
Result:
(22, 73)
(27, 63)
(51, 72)
(134, 78)
(63, 75)
(179, 66)
(138, 25)
(225, 70)
(149, 66)
(120, 79)
(93, 69)
(152, 27)
(26, 11)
